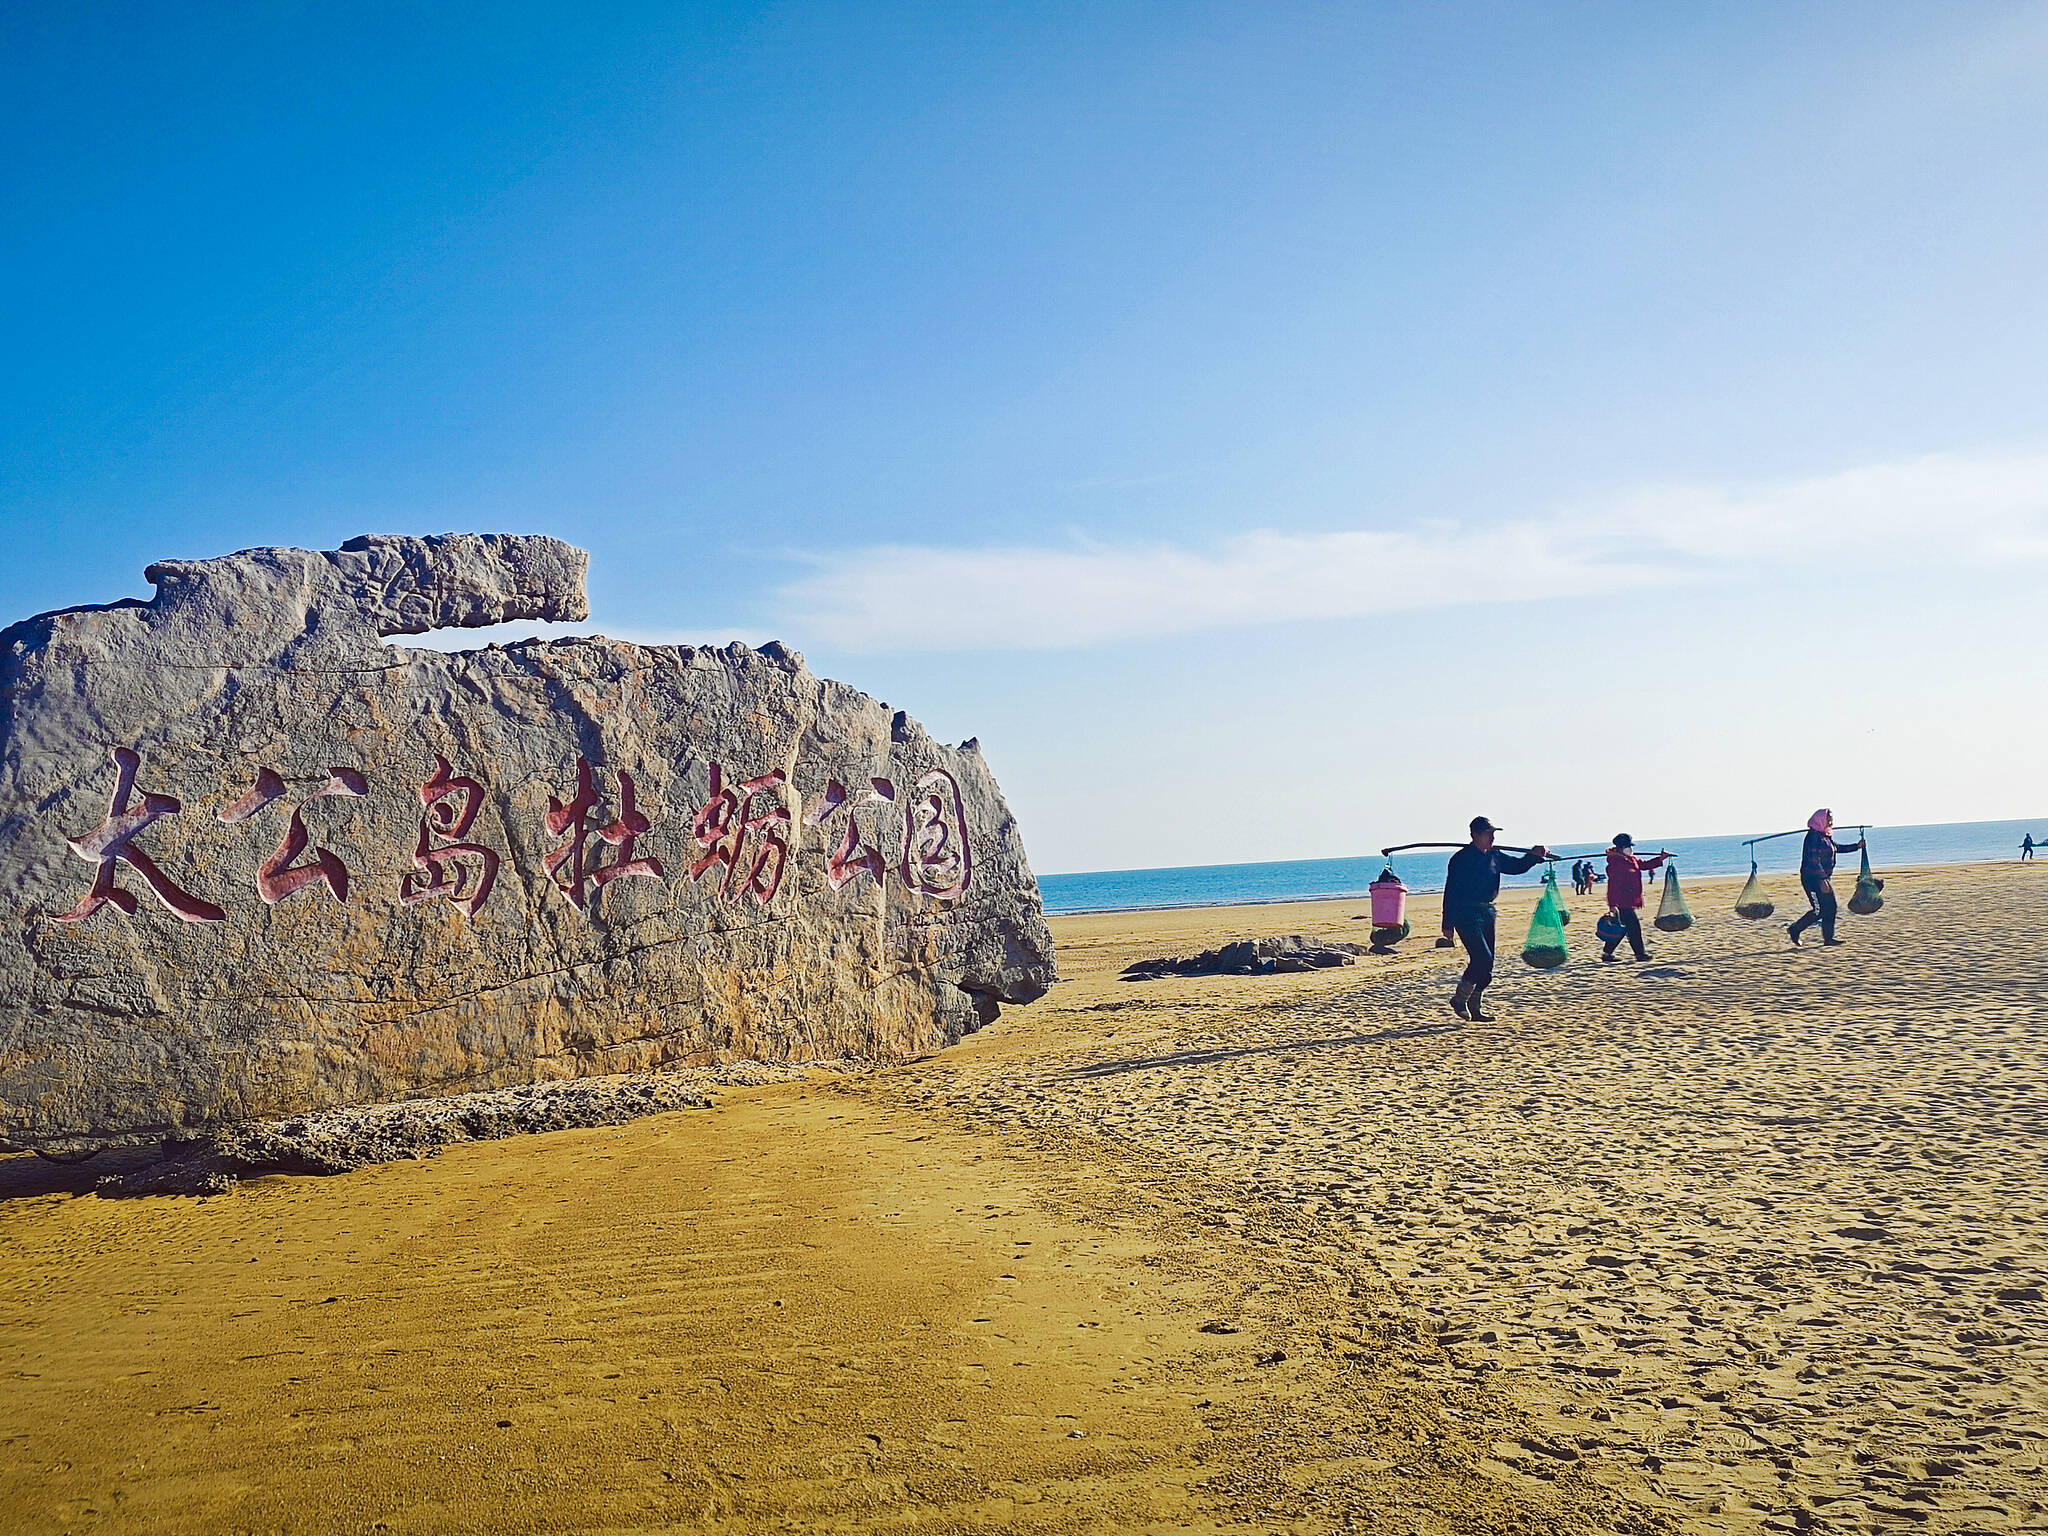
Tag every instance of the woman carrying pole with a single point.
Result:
(1817, 875)
(1625, 892)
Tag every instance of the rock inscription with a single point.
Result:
(258, 862)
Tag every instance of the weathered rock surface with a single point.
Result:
(255, 862)
(1251, 957)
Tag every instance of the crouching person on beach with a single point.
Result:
(1625, 892)
(1470, 886)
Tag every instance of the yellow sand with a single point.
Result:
(1745, 1239)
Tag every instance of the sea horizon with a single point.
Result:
(1272, 882)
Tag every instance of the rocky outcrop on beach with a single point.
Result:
(343, 1140)
(255, 862)
(1251, 957)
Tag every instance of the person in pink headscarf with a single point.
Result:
(1817, 875)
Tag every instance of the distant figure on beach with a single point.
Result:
(1625, 872)
(1470, 886)
(2027, 848)
(1817, 875)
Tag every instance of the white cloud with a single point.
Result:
(1944, 509)
(1938, 509)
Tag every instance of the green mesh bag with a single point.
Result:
(1753, 903)
(1556, 895)
(1386, 938)
(1866, 900)
(1544, 948)
(1673, 915)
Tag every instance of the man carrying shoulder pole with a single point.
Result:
(1470, 886)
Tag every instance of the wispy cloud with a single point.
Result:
(1942, 509)
(907, 598)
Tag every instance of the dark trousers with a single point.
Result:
(1821, 905)
(1632, 930)
(1475, 931)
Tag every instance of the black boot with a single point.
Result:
(1472, 1009)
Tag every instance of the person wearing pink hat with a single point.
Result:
(1817, 875)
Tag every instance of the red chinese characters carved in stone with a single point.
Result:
(854, 857)
(113, 842)
(567, 866)
(281, 874)
(937, 859)
(444, 867)
(725, 821)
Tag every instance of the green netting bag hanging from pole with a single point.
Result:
(1544, 948)
(1550, 889)
(1673, 915)
(1753, 903)
(1866, 900)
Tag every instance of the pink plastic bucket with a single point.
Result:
(1389, 903)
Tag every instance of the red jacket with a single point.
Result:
(1625, 877)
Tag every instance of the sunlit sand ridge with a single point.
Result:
(1746, 1239)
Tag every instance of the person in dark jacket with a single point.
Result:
(1470, 886)
(1625, 871)
(1817, 875)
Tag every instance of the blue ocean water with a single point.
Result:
(1222, 885)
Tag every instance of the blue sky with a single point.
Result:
(1275, 431)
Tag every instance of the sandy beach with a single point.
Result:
(1749, 1238)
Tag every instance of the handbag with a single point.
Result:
(1610, 929)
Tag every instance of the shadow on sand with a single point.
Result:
(24, 1176)
(1206, 1058)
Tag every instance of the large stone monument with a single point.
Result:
(254, 861)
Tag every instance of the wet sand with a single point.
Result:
(1746, 1239)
